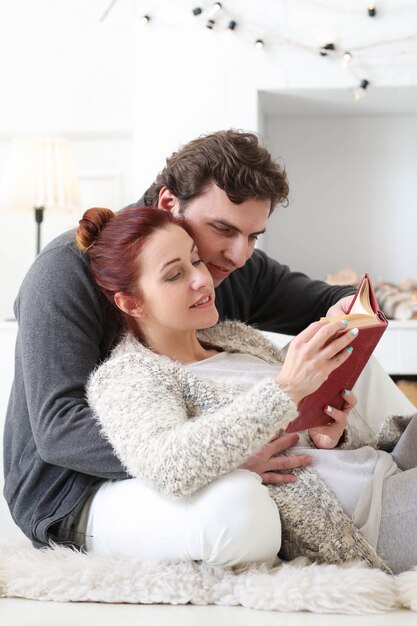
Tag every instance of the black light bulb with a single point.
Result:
(326, 48)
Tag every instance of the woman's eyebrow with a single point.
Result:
(175, 260)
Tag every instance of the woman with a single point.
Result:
(185, 410)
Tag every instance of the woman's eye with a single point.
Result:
(173, 277)
(197, 262)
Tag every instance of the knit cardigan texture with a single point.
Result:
(178, 432)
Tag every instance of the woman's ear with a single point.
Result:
(168, 201)
(128, 304)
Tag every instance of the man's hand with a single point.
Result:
(341, 307)
(265, 461)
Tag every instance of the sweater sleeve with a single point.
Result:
(151, 427)
(62, 336)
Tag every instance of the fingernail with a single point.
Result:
(346, 392)
(350, 349)
(329, 408)
(345, 322)
(354, 331)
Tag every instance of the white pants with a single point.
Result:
(229, 522)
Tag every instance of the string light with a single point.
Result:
(219, 18)
(347, 57)
(360, 91)
(328, 47)
(107, 11)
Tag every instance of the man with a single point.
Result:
(226, 186)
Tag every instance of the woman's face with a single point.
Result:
(177, 288)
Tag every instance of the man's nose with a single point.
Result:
(237, 252)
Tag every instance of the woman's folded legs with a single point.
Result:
(229, 522)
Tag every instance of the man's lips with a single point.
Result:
(219, 270)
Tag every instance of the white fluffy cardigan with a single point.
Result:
(179, 432)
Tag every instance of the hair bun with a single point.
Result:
(90, 226)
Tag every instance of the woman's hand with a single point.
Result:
(313, 355)
(328, 436)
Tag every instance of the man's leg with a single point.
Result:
(405, 452)
(378, 397)
(229, 522)
(397, 543)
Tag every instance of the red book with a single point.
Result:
(365, 315)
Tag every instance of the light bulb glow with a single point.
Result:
(347, 57)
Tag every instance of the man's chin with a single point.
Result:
(217, 275)
(217, 281)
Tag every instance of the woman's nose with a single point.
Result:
(200, 279)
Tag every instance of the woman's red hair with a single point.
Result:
(114, 242)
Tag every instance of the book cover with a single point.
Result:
(372, 323)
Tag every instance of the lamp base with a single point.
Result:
(38, 219)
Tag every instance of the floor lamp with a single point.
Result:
(40, 177)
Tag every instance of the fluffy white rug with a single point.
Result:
(62, 575)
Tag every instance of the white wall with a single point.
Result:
(134, 94)
(353, 194)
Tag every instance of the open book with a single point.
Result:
(365, 315)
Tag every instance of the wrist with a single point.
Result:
(289, 389)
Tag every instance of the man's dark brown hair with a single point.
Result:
(234, 160)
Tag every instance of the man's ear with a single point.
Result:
(128, 304)
(168, 201)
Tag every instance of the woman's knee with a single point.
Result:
(244, 524)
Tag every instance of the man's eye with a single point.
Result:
(253, 237)
(173, 277)
(222, 229)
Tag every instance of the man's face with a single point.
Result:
(225, 233)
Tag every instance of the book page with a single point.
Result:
(362, 303)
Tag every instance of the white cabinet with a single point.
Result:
(397, 349)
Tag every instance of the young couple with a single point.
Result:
(189, 420)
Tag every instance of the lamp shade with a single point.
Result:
(40, 173)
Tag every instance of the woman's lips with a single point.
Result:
(203, 302)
